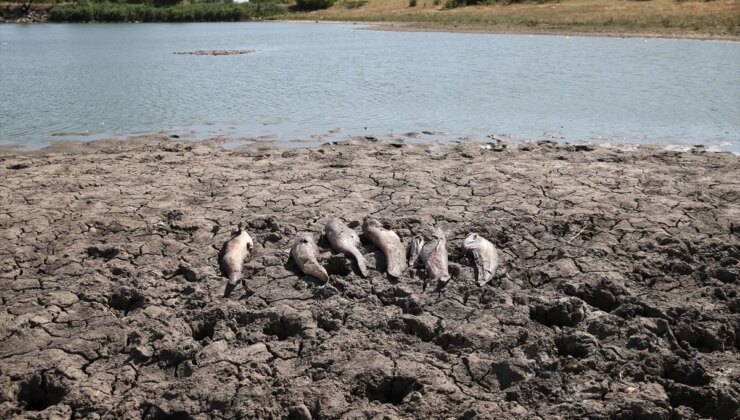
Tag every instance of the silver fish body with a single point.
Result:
(389, 243)
(305, 252)
(235, 251)
(434, 256)
(345, 240)
(485, 257)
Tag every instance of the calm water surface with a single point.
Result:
(304, 79)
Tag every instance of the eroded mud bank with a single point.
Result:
(617, 295)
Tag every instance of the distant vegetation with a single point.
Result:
(451, 4)
(159, 10)
(162, 11)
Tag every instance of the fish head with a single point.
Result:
(439, 234)
(237, 230)
(371, 223)
(472, 241)
(304, 238)
(333, 225)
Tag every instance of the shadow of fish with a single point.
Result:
(485, 257)
(414, 250)
(345, 240)
(389, 243)
(233, 254)
(304, 253)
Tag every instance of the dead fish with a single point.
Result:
(434, 255)
(234, 252)
(389, 243)
(414, 250)
(485, 256)
(304, 253)
(345, 240)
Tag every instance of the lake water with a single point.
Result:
(81, 82)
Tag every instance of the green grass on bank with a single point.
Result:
(198, 12)
(717, 18)
(715, 24)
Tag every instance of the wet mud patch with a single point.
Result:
(126, 300)
(386, 389)
(153, 412)
(564, 312)
(18, 166)
(106, 254)
(204, 330)
(338, 265)
(41, 391)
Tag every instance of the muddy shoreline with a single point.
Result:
(617, 294)
(422, 27)
(425, 27)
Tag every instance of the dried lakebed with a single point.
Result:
(616, 296)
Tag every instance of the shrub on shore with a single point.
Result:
(198, 12)
(451, 4)
(307, 5)
(352, 4)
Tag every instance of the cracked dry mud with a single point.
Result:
(617, 295)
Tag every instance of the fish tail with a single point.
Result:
(485, 278)
(313, 268)
(361, 264)
(234, 278)
(322, 274)
(396, 265)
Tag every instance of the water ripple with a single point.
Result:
(305, 79)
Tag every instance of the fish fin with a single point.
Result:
(415, 250)
(483, 274)
(439, 246)
(480, 268)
